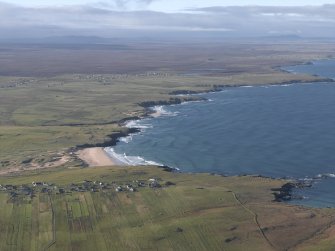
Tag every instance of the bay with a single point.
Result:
(276, 131)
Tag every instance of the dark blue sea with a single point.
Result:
(277, 131)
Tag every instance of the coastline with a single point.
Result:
(254, 148)
(94, 155)
(154, 109)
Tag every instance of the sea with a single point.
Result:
(279, 131)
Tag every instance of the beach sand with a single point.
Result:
(95, 156)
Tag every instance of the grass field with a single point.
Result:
(199, 212)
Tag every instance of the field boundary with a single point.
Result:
(53, 240)
(255, 219)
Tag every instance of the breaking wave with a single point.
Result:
(160, 111)
(142, 124)
(138, 124)
(126, 139)
(325, 175)
(123, 159)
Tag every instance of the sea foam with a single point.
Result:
(160, 111)
(142, 124)
(138, 124)
(124, 159)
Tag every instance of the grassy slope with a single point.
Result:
(222, 215)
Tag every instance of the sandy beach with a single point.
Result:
(95, 156)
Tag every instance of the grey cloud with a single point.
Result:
(101, 20)
(123, 4)
(302, 11)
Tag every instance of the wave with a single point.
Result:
(317, 177)
(265, 86)
(207, 92)
(160, 111)
(190, 102)
(143, 124)
(325, 175)
(126, 139)
(281, 85)
(135, 124)
(138, 124)
(124, 159)
(185, 95)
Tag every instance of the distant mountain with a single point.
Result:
(63, 40)
(284, 37)
(77, 40)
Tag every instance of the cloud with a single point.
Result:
(123, 4)
(308, 13)
(118, 17)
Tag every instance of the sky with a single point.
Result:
(122, 18)
(168, 5)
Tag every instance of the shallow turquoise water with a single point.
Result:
(275, 131)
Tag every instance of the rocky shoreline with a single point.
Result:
(286, 192)
(171, 101)
(113, 139)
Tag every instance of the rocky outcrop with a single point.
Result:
(285, 193)
(171, 101)
(112, 140)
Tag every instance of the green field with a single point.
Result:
(197, 212)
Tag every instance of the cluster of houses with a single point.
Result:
(15, 191)
(85, 186)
